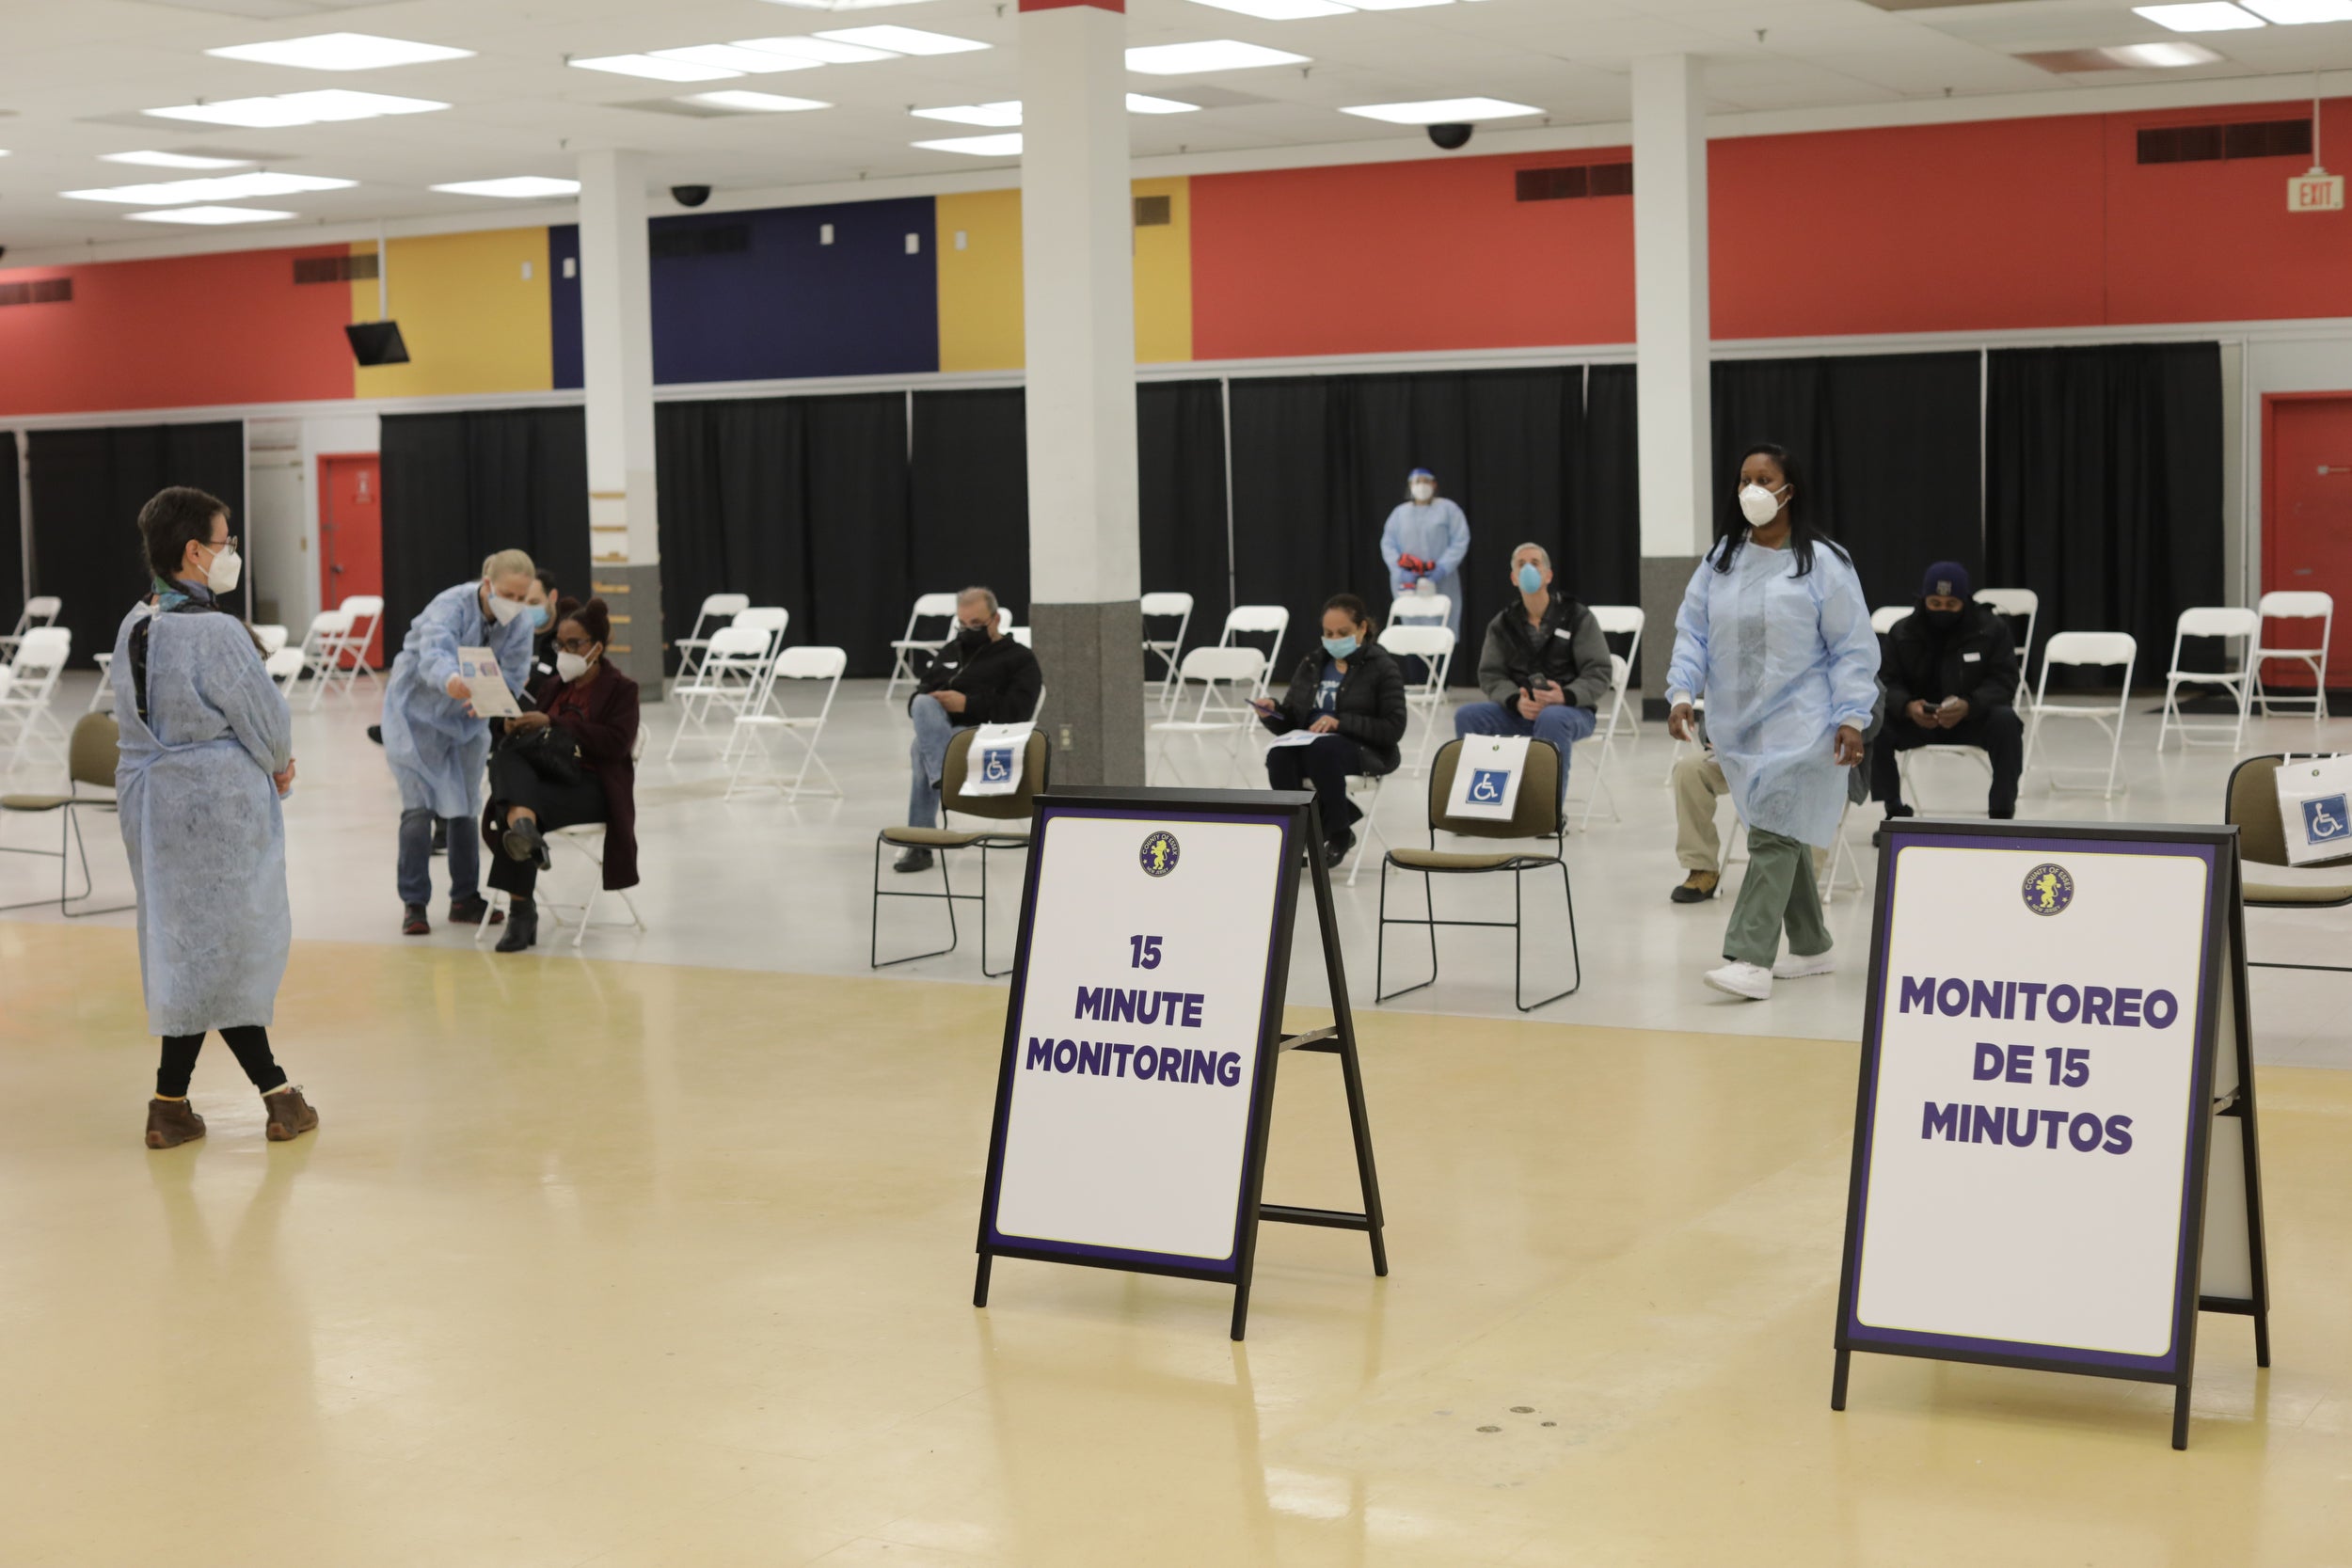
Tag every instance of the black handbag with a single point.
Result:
(552, 751)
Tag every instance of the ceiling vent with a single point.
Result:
(725, 238)
(1575, 181)
(334, 269)
(2205, 144)
(1155, 212)
(42, 291)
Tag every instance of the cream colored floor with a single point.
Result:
(626, 1263)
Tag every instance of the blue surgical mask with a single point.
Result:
(1339, 647)
(539, 617)
(1531, 580)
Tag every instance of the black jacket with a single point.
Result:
(1976, 661)
(1369, 704)
(1000, 683)
(1568, 648)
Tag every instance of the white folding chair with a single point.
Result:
(42, 610)
(322, 647)
(1434, 647)
(271, 636)
(1368, 826)
(1163, 606)
(588, 839)
(2079, 649)
(1241, 670)
(1018, 634)
(773, 619)
(791, 664)
(716, 606)
(26, 724)
(101, 697)
(1883, 618)
(1626, 620)
(1903, 761)
(284, 667)
(1620, 672)
(2227, 623)
(1421, 609)
(2016, 604)
(367, 613)
(931, 606)
(732, 668)
(2309, 606)
(1258, 620)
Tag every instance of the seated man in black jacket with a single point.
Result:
(1350, 695)
(980, 677)
(1952, 680)
(1544, 666)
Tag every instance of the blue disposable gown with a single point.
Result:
(1438, 532)
(1783, 660)
(201, 821)
(435, 749)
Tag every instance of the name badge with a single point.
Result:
(1970, 658)
(1564, 635)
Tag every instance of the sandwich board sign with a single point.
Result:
(2055, 1161)
(1135, 1092)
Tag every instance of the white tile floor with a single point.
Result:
(759, 883)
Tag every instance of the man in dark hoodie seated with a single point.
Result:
(1544, 667)
(1952, 680)
(980, 677)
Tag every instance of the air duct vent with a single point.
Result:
(334, 269)
(726, 239)
(42, 291)
(2201, 144)
(1575, 181)
(1153, 212)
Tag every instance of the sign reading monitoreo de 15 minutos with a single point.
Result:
(2054, 1036)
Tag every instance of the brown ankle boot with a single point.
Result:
(172, 1123)
(290, 1115)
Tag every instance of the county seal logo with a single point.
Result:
(2048, 888)
(1160, 850)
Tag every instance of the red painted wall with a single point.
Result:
(1399, 257)
(174, 333)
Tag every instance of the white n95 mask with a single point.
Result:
(503, 609)
(1423, 492)
(222, 574)
(570, 666)
(1758, 505)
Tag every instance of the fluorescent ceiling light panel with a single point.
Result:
(227, 187)
(1280, 10)
(2294, 13)
(298, 108)
(2202, 16)
(1006, 113)
(1395, 4)
(173, 160)
(518, 187)
(2160, 57)
(734, 58)
(1144, 103)
(1185, 60)
(209, 215)
(1444, 111)
(904, 40)
(1004, 145)
(817, 51)
(341, 52)
(761, 102)
(655, 66)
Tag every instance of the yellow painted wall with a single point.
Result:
(471, 318)
(980, 284)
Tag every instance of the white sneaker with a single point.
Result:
(1753, 981)
(1795, 967)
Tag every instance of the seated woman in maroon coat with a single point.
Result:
(537, 784)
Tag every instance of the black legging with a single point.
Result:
(514, 782)
(250, 1041)
(1322, 765)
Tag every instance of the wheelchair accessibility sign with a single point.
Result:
(2326, 819)
(1486, 777)
(2316, 807)
(993, 766)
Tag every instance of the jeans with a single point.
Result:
(1323, 765)
(251, 1042)
(1779, 891)
(1997, 730)
(1562, 724)
(416, 857)
(934, 726)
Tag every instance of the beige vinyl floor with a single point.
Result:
(630, 1263)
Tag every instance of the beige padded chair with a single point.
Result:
(91, 754)
(1020, 806)
(1535, 815)
(2269, 881)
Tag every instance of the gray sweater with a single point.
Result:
(1568, 648)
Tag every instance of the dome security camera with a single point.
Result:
(1451, 138)
(690, 195)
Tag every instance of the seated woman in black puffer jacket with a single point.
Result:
(1351, 695)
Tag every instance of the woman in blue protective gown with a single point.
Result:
(207, 755)
(1774, 634)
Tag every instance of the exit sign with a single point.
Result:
(2315, 193)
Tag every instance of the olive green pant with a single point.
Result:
(1778, 891)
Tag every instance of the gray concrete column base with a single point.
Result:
(1663, 579)
(633, 593)
(1093, 659)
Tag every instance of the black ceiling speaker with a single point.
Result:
(377, 343)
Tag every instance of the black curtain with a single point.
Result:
(1890, 444)
(87, 487)
(458, 486)
(1605, 546)
(969, 500)
(11, 535)
(795, 501)
(1180, 464)
(2104, 485)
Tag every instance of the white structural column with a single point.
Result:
(616, 363)
(1078, 288)
(1670, 315)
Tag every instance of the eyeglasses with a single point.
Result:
(228, 544)
(575, 644)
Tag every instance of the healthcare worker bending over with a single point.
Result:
(207, 751)
(1427, 537)
(1775, 633)
(434, 743)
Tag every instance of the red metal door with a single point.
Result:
(351, 534)
(2306, 522)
